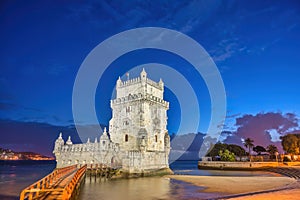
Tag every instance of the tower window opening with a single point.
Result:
(126, 138)
(125, 123)
(155, 138)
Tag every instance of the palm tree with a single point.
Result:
(248, 143)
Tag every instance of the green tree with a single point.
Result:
(216, 149)
(237, 150)
(290, 143)
(272, 149)
(248, 143)
(259, 149)
(227, 155)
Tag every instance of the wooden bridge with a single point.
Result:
(64, 183)
(61, 184)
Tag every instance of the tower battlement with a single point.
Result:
(138, 139)
(129, 82)
(138, 97)
(139, 85)
(137, 80)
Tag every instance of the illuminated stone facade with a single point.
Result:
(138, 139)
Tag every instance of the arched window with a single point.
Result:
(155, 138)
(126, 138)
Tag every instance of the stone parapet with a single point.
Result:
(139, 97)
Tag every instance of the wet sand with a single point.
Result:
(230, 185)
(292, 194)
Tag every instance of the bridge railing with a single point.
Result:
(46, 184)
(69, 188)
(99, 166)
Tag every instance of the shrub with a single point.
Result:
(286, 159)
(227, 156)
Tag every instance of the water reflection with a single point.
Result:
(140, 188)
(16, 175)
(157, 187)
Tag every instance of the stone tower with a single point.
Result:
(139, 114)
(138, 141)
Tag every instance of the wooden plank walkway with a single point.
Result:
(62, 184)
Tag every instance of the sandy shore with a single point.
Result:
(289, 194)
(236, 185)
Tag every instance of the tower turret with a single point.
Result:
(69, 142)
(119, 82)
(104, 139)
(59, 142)
(143, 75)
(161, 84)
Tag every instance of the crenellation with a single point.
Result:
(130, 82)
(154, 84)
(138, 97)
(137, 140)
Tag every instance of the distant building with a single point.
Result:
(138, 139)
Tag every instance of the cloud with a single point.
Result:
(233, 115)
(30, 136)
(7, 106)
(188, 145)
(40, 137)
(35, 136)
(263, 128)
(12, 110)
(184, 16)
(226, 48)
(259, 12)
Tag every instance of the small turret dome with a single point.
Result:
(69, 142)
(143, 74)
(104, 136)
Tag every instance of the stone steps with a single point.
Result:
(287, 171)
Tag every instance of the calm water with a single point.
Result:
(16, 175)
(157, 187)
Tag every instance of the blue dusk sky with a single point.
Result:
(254, 44)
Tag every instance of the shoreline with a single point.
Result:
(284, 193)
(287, 186)
(245, 166)
(226, 185)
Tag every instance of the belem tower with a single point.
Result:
(138, 139)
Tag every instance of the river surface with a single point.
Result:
(16, 175)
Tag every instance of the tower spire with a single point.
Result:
(143, 74)
(69, 142)
(119, 82)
